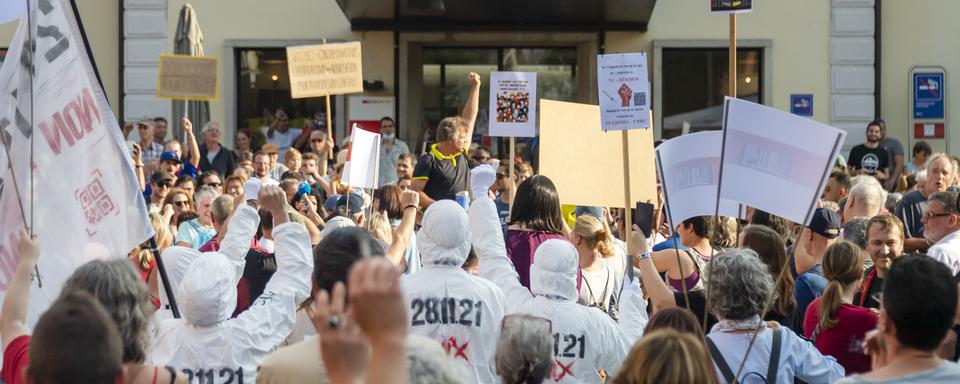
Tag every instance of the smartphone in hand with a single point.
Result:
(644, 218)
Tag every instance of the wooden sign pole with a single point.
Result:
(329, 118)
(733, 55)
(511, 164)
(627, 216)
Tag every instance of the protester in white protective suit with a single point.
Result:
(206, 344)
(587, 340)
(461, 311)
(177, 260)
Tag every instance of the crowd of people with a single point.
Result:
(454, 272)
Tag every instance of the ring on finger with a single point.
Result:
(334, 322)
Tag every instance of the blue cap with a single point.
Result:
(356, 202)
(331, 203)
(169, 156)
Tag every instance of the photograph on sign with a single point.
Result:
(624, 91)
(574, 151)
(513, 104)
(184, 77)
(731, 6)
(775, 161)
(690, 178)
(325, 69)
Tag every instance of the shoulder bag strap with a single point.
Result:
(774, 366)
(719, 361)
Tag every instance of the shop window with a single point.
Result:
(695, 81)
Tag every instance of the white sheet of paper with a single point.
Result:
(513, 104)
(362, 168)
(624, 91)
(689, 168)
(774, 160)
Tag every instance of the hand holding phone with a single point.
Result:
(644, 218)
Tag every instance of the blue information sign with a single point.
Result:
(801, 104)
(928, 95)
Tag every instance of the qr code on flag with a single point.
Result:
(95, 201)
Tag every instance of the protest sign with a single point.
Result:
(362, 168)
(720, 7)
(624, 91)
(585, 163)
(774, 160)
(323, 70)
(85, 202)
(184, 77)
(689, 169)
(513, 104)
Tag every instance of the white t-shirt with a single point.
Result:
(283, 140)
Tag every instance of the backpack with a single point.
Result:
(772, 368)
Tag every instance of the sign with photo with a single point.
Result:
(513, 104)
(624, 91)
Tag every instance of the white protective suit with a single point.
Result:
(177, 261)
(461, 311)
(209, 346)
(586, 339)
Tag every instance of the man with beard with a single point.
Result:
(884, 243)
(869, 158)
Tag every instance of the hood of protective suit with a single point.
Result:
(554, 270)
(444, 238)
(177, 261)
(208, 292)
(336, 223)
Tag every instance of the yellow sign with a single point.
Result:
(184, 77)
(586, 164)
(327, 69)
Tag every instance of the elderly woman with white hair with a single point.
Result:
(740, 286)
(525, 350)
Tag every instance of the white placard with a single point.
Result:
(624, 91)
(513, 104)
(689, 168)
(774, 160)
(86, 202)
(362, 168)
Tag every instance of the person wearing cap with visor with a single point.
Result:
(824, 229)
(151, 151)
(588, 341)
(160, 184)
(206, 342)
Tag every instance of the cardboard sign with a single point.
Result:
(184, 77)
(774, 160)
(730, 6)
(586, 164)
(624, 91)
(513, 104)
(327, 69)
(689, 169)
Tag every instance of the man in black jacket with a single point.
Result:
(213, 155)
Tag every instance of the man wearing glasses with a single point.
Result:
(390, 150)
(160, 184)
(941, 221)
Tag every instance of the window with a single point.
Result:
(695, 81)
(445, 81)
(263, 86)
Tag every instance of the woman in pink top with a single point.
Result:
(535, 218)
(836, 326)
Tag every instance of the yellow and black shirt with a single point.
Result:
(445, 175)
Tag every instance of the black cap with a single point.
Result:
(826, 223)
(160, 176)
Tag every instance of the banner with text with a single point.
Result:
(689, 169)
(513, 104)
(184, 77)
(718, 7)
(624, 91)
(80, 191)
(326, 69)
(774, 160)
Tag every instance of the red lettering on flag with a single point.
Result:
(8, 262)
(72, 123)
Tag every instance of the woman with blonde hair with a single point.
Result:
(669, 357)
(836, 326)
(602, 273)
(379, 228)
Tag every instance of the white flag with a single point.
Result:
(362, 167)
(689, 168)
(774, 160)
(85, 202)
